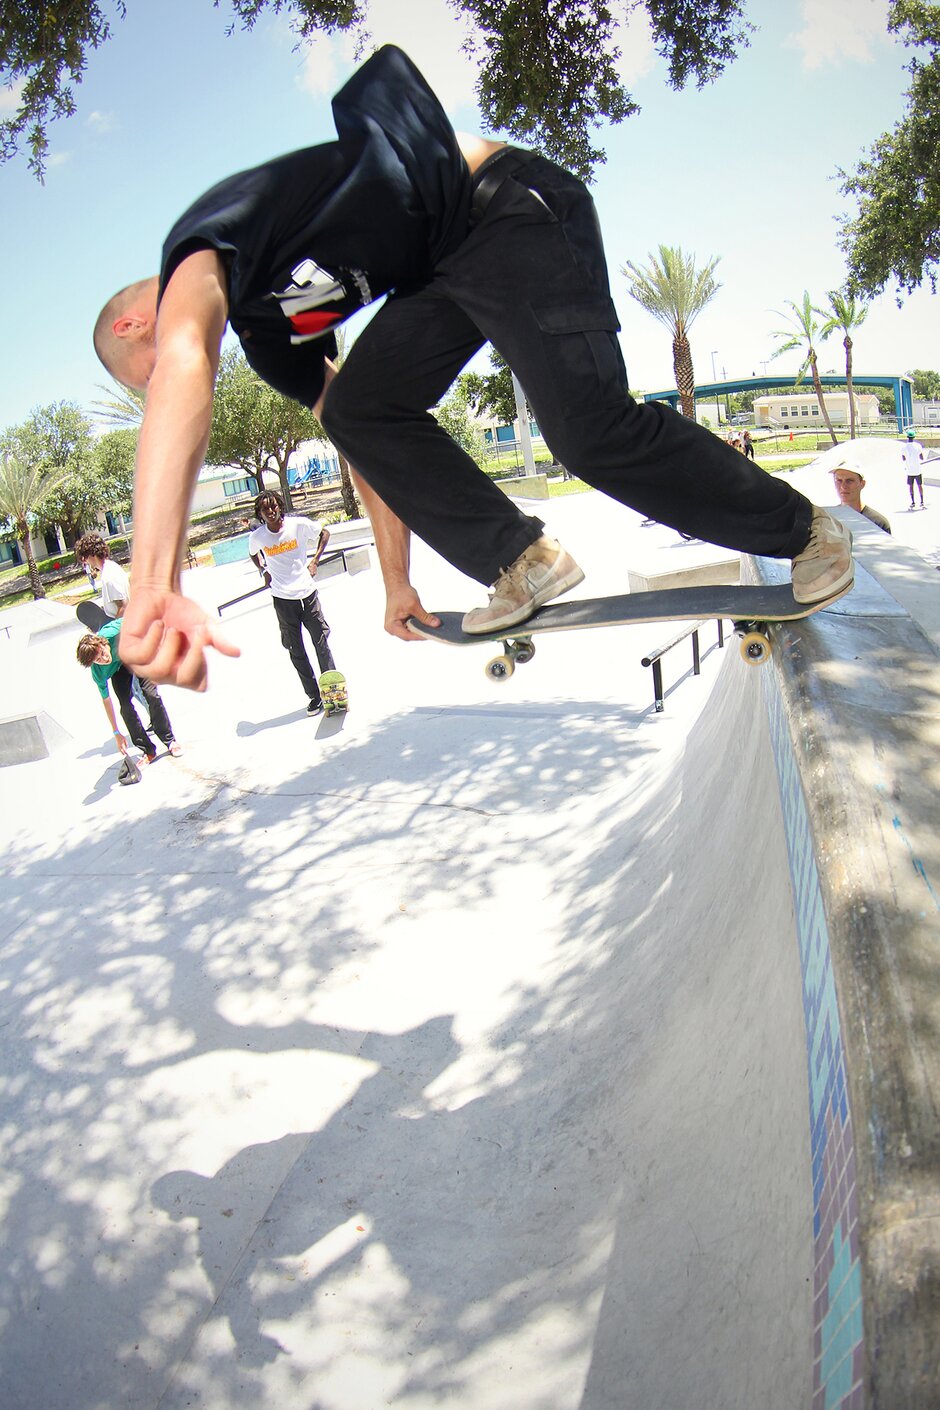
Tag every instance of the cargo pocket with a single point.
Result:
(579, 337)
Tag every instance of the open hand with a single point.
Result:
(164, 638)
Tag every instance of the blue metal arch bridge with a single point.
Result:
(901, 385)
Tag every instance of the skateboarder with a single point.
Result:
(913, 454)
(100, 652)
(472, 240)
(278, 549)
(111, 581)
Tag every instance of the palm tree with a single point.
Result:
(844, 314)
(23, 487)
(802, 333)
(675, 292)
(124, 405)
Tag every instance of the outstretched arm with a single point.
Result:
(164, 634)
(393, 545)
(112, 721)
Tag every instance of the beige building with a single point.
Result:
(801, 409)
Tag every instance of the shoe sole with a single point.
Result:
(522, 614)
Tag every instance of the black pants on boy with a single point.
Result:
(531, 277)
(292, 615)
(123, 683)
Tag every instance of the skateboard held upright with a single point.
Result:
(91, 615)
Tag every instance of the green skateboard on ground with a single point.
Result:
(750, 608)
(333, 692)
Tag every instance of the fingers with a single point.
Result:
(428, 618)
(221, 643)
(397, 626)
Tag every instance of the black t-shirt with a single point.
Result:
(309, 238)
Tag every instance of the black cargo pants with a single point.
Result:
(531, 277)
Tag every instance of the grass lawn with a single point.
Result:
(556, 488)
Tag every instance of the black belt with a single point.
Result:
(491, 174)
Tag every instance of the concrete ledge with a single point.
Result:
(853, 698)
(694, 575)
(525, 487)
(26, 738)
(230, 550)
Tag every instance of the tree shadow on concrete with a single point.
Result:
(490, 1173)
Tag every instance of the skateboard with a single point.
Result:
(751, 610)
(333, 693)
(91, 616)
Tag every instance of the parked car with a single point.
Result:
(742, 418)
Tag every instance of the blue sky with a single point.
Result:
(744, 169)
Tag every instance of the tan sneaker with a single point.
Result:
(825, 566)
(544, 571)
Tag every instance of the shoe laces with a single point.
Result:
(509, 578)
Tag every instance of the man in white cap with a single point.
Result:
(849, 484)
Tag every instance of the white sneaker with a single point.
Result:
(825, 566)
(544, 571)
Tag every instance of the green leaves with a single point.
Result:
(896, 233)
(253, 426)
(548, 68)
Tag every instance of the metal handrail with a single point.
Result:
(654, 659)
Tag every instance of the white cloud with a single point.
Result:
(838, 30)
(10, 96)
(429, 32)
(637, 55)
(100, 122)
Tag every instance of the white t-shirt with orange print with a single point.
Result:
(286, 553)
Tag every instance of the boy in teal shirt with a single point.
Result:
(101, 652)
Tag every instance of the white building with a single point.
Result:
(801, 409)
(926, 413)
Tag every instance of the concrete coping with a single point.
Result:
(856, 688)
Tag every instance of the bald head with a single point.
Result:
(125, 332)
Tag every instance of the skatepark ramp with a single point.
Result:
(854, 716)
(525, 1050)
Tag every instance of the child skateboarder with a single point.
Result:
(100, 653)
(278, 549)
(472, 240)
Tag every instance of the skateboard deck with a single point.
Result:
(333, 692)
(91, 615)
(750, 608)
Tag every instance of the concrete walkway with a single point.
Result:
(446, 1053)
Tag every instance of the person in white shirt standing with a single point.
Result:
(913, 453)
(279, 550)
(111, 581)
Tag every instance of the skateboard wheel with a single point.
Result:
(523, 653)
(500, 668)
(755, 648)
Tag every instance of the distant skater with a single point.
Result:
(279, 549)
(913, 453)
(111, 582)
(101, 653)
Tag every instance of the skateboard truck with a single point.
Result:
(754, 642)
(516, 652)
